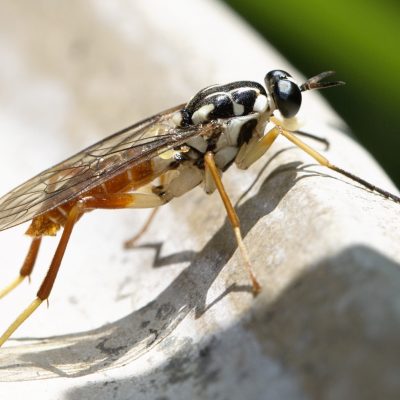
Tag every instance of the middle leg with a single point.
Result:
(233, 218)
(27, 267)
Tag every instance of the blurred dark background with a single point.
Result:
(361, 41)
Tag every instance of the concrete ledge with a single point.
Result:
(175, 317)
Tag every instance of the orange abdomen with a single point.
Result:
(131, 179)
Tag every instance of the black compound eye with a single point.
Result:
(286, 94)
(287, 97)
(275, 76)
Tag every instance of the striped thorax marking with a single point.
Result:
(240, 103)
(225, 101)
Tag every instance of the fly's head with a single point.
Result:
(242, 98)
(286, 94)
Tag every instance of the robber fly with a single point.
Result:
(149, 163)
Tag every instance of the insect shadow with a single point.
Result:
(321, 315)
(128, 338)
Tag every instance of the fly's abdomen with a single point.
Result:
(131, 179)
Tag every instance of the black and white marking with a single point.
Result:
(225, 101)
(243, 109)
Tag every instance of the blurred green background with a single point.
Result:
(360, 39)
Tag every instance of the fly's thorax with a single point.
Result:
(238, 131)
(225, 101)
(238, 109)
(226, 143)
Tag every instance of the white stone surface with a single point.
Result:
(175, 318)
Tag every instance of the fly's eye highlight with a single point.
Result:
(285, 92)
(287, 97)
(275, 76)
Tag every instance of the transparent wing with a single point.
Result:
(92, 166)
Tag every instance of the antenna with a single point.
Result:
(315, 82)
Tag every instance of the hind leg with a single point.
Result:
(113, 201)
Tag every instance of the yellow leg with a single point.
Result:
(131, 242)
(26, 268)
(48, 282)
(233, 218)
(11, 286)
(251, 152)
(20, 319)
(119, 200)
(323, 161)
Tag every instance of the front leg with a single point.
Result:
(250, 152)
(326, 163)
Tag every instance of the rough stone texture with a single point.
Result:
(175, 317)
